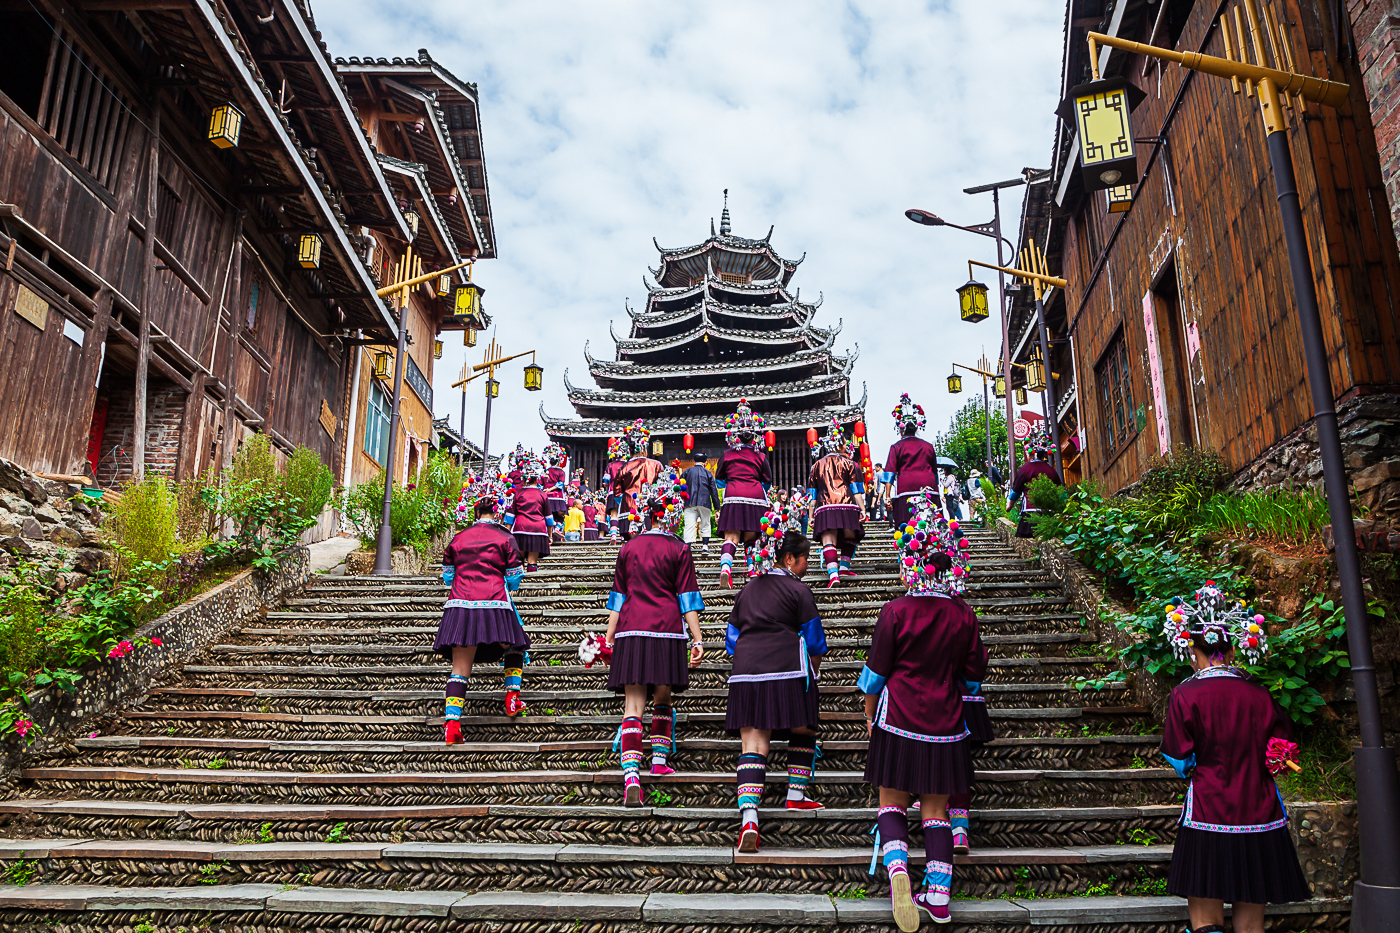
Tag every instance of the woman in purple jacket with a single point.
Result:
(925, 652)
(743, 474)
(1232, 843)
(912, 463)
(838, 499)
(655, 598)
(528, 515)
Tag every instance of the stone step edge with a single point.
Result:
(560, 853)
(117, 773)
(724, 909)
(1050, 638)
(544, 696)
(145, 809)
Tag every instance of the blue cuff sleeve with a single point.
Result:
(615, 601)
(509, 519)
(811, 492)
(721, 483)
(692, 602)
(1182, 766)
(448, 575)
(549, 521)
(857, 489)
(731, 638)
(513, 577)
(887, 477)
(814, 636)
(972, 687)
(870, 682)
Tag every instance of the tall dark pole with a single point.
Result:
(383, 555)
(486, 436)
(987, 409)
(1005, 333)
(463, 423)
(1376, 899)
(1050, 412)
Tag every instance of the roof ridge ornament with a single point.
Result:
(724, 227)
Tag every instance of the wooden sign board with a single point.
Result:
(32, 307)
(328, 419)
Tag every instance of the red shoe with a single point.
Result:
(658, 770)
(514, 705)
(939, 913)
(726, 577)
(748, 838)
(961, 844)
(452, 732)
(848, 572)
(831, 582)
(631, 790)
(804, 804)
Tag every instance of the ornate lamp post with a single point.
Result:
(534, 382)
(1376, 898)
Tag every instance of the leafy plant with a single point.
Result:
(1047, 495)
(265, 833)
(657, 797)
(1281, 513)
(142, 526)
(337, 833)
(215, 764)
(209, 874)
(21, 872)
(307, 482)
(1196, 467)
(1141, 837)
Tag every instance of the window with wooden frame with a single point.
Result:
(377, 418)
(733, 278)
(1115, 390)
(254, 296)
(1086, 226)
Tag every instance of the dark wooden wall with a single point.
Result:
(1205, 225)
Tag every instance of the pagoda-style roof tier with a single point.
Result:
(764, 397)
(760, 294)
(751, 317)
(709, 340)
(796, 420)
(751, 260)
(805, 364)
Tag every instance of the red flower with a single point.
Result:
(156, 642)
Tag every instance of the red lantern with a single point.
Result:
(866, 467)
(770, 439)
(688, 443)
(811, 437)
(859, 429)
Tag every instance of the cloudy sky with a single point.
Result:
(605, 125)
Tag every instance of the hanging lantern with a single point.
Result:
(444, 285)
(493, 388)
(811, 437)
(688, 443)
(534, 377)
(381, 364)
(467, 302)
(865, 464)
(999, 386)
(309, 251)
(411, 218)
(225, 125)
(954, 383)
(469, 337)
(770, 439)
(1020, 395)
(437, 349)
(1120, 199)
(1035, 375)
(1099, 111)
(972, 298)
(858, 429)
(658, 447)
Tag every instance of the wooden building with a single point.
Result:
(1178, 325)
(194, 221)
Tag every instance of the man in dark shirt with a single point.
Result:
(701, 496)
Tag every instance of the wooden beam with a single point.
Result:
(121, 6)
(148, 288)
(402, 117)
(164, 254)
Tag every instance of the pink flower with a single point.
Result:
(116, 652)
(126, 646)
(155, 642)
(22, 727)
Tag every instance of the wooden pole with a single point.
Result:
(148, 287)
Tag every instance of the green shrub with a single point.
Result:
(307, 481)
(412, 515)
(1046, 495)
(254, 462)
(1185, 466)
(142, 526)
(1281, 513)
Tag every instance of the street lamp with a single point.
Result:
(534, 380)
(972, 300)
(955, 383)
(1376, 898)
(1021, 397)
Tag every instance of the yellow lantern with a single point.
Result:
(309, 251)
(225, 125)
(381, 364)
(411, 218)
(467, 302)
(954, 384)
(972, 298)
(1120, 199)
(1035, 371)
(469, 337)
(493, 388)
(1099, 111)
(657, 448)
(437, 349)
(999, 386)
(444, 285)
(1021, 395)
(534, 377)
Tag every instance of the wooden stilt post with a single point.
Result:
(148, 287)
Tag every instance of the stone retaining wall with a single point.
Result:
(41, 521)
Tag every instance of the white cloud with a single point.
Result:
(607, 124)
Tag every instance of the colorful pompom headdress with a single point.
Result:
(906, 413)
(618, 449)
(833, 442)
(1039, 441)
(576, 483)
(663, 500)
(555, 455)
(477, 494)
(1220, 620)
(517, 458)
(776, 522)
(932, 550)
(635, 437)
(532, 466)
(745, 422)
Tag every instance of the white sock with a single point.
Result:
(796, 793)
(748, 815)
(939, 899)
(658, 759)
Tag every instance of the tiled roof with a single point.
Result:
(701, 424)
(626, 369)
(626, 398)
(823, 337)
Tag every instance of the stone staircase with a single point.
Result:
(294, 778)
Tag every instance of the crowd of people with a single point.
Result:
(924, 708)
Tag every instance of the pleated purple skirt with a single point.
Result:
(741, 516)
(590, 534)
(843, 520)
(778, 705)
(532, 544)
(1240, 868)
(918, 767)
(558, 506)
(979, 723)
(656, 662)
(899, 511)
(493, 631)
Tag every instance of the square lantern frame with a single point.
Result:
(972, 302)
(225, 126)
(954, 384)
(1100, 112)
(534, 377)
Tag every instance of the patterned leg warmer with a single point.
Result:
(938, 874)
(801, 762)
(958, 805)
(829, 558)
(456, 696)
(514, 664)
(613, 530)
(848, 551)
(663, 743)
(894, 838)
(726, 557)
(631, 744)
(752, 770)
